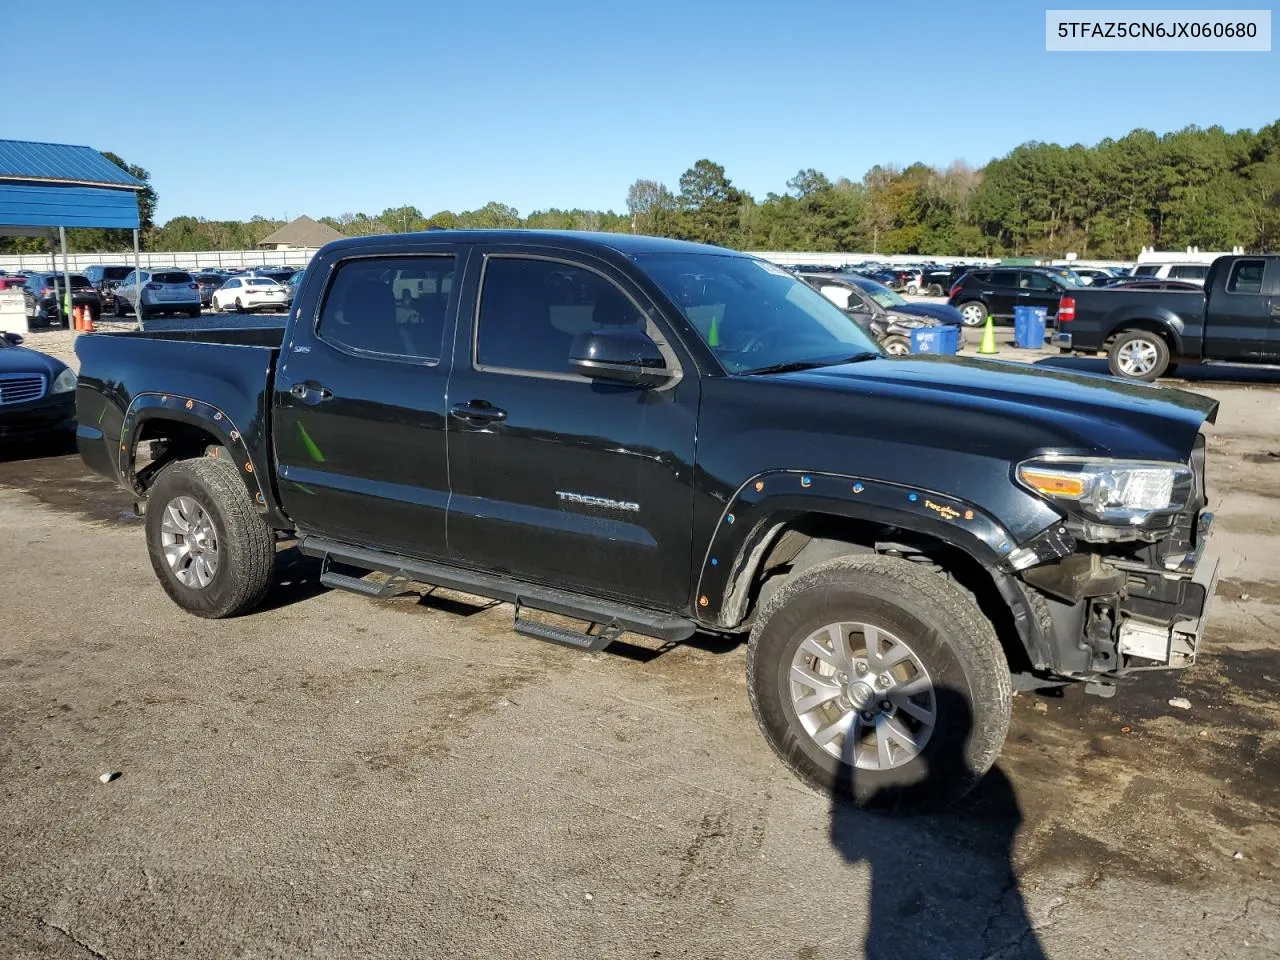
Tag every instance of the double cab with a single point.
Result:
(664, 438)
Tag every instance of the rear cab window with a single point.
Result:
(382, 306)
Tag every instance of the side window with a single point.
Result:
(389, 305)
(1037, 281)
(842, 297)
(1146, 270)
(1189, 272)
(1246, 276)
(233, 284)
(530, 311)
(1003, 278)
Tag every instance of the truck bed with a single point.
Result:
(249, 331)
(1101, 313)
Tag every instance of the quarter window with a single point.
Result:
(530, 311)
(1003, 278)
(383, 305)
(1037, 281)
(1246, 277)
(1189, 272)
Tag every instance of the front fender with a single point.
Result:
(767, 502)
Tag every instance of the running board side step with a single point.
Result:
(614, 618)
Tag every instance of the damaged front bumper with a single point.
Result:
(1094, 616)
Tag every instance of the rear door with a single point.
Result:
(577, 483)
(1000, 292)
(360, 402)
(1240, 323)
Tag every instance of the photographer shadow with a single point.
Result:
(942, 882)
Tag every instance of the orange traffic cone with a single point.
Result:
(87, 321)
(75, 317)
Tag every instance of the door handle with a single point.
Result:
(478, 411)
(1275, 309)
(309, 392)
(1024, 294)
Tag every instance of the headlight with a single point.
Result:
(1115, 492)
(65, 382)
(903, 320)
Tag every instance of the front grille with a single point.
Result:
(20, 388)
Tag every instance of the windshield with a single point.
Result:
(755, 315)
(882, 294)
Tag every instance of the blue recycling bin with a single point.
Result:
(944, 340)
(1028, 327)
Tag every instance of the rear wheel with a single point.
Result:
(119, 308)
(1138, 355)
(973, 313)
(935, 290)
(912, 289)
(239, 306)
(194, 313)
(210, 549)
(879, 681)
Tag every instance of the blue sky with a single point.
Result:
(328, 107)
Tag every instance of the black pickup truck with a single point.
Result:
(662, 438)
(1235, 319)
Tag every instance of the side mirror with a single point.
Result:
(620, 354)
(14, 338)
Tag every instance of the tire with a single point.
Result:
(215, 305)
(935, 290)
(1138, 355)
(243, 548)
(119, 309)
(964, 670)
(912, 289)
(973, 313)
(194, 314)
(239, 306)
(896, 346)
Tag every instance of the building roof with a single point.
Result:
(302, 232)
(63, 163)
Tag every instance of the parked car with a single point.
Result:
(280, 276)
(249, 293)
(890, 328)
(1192, 272)
(208, 283)
(37, 392)
(1090, 275)
(939, 280)
(105, 278)
(9, 282)
(1145, 333)
(47, 291)
(662, 437)
(1126, 283)
(153, 293)
(998, 290)
(291, 286)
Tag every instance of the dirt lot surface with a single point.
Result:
(340, 777)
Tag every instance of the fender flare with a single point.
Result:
(1142, 319)
(763, 506)
(197, 413)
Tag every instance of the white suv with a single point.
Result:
(162, 291)
(1190, 272)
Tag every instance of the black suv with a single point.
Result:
(104, 278)
(998, 290)
(47, 290)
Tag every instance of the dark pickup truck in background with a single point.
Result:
(659, 437)
(1144, 333)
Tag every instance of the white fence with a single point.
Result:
(202, 260)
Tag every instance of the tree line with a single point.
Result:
(1193, 187)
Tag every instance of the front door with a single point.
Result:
(1037, 290)
(359, 399)
(581, 484)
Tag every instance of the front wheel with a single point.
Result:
(209, 547)
(973, 313)
(912, 289)
(896, 346)
(880, 682)
(1138, 355)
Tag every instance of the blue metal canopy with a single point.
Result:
(48, 185)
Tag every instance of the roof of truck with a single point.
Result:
(627, 244)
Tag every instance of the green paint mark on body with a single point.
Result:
(312, 450)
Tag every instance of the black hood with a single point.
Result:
(22, 360)
(937, 311)
(1023, 410)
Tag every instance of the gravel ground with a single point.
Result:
(340, 777)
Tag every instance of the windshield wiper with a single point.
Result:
(791, 366)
